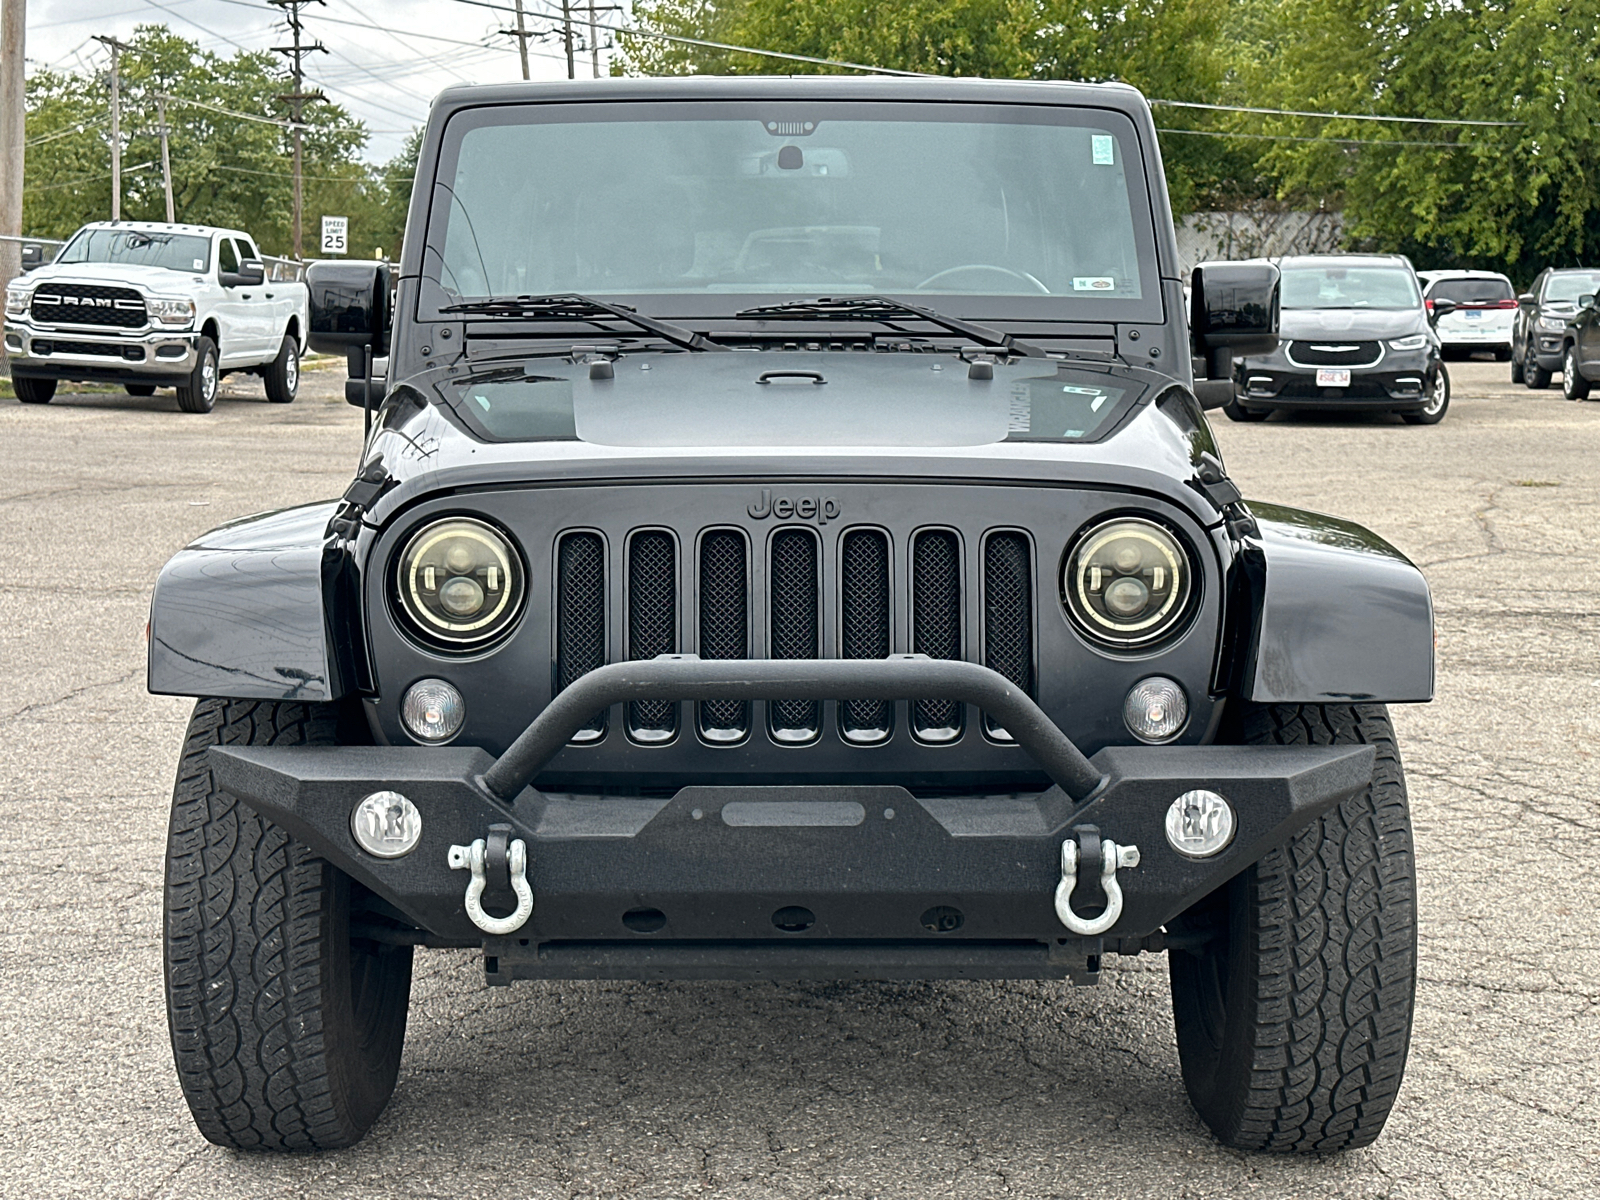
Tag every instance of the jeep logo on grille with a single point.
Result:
(820, 509)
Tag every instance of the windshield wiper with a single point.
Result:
(882, 308)
(573, 307)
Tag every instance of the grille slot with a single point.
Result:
(864, 608)
(936, 624)
(652, 624)
(580, 615)
(724, 625)
(88, 304)
(1334, 352)
(795, 592)
(1008, 612)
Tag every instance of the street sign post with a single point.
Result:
(335, 235)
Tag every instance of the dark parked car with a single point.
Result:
(1580, 350)
(790, 544)
(1539, 337)
(1356, 338)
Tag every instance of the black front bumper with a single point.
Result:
(707, 883)
(1399, 383)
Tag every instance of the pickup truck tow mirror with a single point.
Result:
(251, 273)
(1526, 300)
(1233, 310)
(1586, 301)
(1440, 308)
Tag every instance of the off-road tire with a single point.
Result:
(1535, 376)
(33, 391)
(1438, 402)
(283, 373)
(1238, 412)
(199, 395)
(139, 389)
(287, 1033)
(1294, 1018)
(1573, 385)
(1517, 375)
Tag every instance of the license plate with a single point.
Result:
(1473, 314)
(1333, 376)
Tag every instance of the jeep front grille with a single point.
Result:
(724, 622)
(580, 613)
(652, 624)
(936, 623)
(781, 583)
(88, 304)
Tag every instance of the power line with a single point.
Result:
(228, 112)
(1296, 112)
(1284, 137)
(295, 53)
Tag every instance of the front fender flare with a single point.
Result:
(249, 612)
(1339, 614)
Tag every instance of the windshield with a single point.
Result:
(1334, 286)
(1566, 288)
(823, 199)
(174, 251)
(1472, 291)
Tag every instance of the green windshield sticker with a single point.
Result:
(1104, 145)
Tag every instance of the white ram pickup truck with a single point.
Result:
(147, 305)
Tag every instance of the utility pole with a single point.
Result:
(13, 134)
(298, 97)
(594, 41)
(116, 49)
(566, 35)
(522, 40)
(166, 163)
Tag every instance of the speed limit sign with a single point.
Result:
(335, 235)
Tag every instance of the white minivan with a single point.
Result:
(1486, 306)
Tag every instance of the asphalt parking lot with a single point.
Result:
(803, 1090)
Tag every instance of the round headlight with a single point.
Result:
(459, 582)
(1127, 582)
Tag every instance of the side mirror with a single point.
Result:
(1233, 310)
(1585, 301)
(1440, 308)
(349, 307)
(1526, 300)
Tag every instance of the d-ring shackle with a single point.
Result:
(1112, 856)
(472, 858)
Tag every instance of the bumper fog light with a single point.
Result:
(1155, 709)
(1199, 824)
(432, 711)
(386, 825)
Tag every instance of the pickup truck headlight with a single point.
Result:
(1127, 582)
(170, 311)
(17, 301)
(1552, 324)
(1415, 341)
(459, 582)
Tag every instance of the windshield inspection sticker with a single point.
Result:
(1104, 149)
(199, 264)
(1094, 283)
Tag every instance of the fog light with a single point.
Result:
(1199, 824)
(1156, 709)
(432, 711)
(386, 825)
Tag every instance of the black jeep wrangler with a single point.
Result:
(789, 544)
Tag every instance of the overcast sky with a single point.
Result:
(386, 59)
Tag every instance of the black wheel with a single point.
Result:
(1294, 1018)
(139, 389)
(283, 373)
(1438, 402)
(1238, 412)
(199, 395)
(33, 391)
(1516, 368)
(1573, 385)
(1535, 376)
(287, 1032)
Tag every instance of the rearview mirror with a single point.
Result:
(349, 307)
(1233, 311)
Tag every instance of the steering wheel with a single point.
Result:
(1022, 275)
